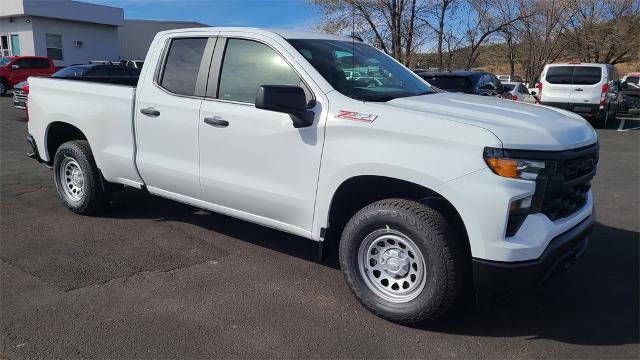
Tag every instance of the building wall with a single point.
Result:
(64, 9)
(22, 26)
(100, 42)
(136, 35)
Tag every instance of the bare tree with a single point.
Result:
(542, 35)
(488, 17)
(604, 31)
(389, 24)
(436, 15)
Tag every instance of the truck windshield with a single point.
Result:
(360, 71)
(4, 61)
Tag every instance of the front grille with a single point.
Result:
(560, 204)
(563, 189)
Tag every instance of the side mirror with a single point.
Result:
(288, 99)
(533, 92)
(15, 67)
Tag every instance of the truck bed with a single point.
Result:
(103, 112)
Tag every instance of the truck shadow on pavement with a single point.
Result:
(595, 303)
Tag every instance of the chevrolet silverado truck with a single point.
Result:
(425, 193)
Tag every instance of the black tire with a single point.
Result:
(602, 121)
(3, 87)
(95, 194)
(440, 248)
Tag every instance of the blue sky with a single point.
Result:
(289, 14)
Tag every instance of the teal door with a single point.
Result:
(15, 45)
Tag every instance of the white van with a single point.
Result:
(590, 90)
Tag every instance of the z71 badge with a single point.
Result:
(356, 116)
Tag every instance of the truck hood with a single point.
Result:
(517, 125)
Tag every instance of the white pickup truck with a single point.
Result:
(325, 137)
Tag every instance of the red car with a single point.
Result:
(15, 69)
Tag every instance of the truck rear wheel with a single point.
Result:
(402, 261)
(77, 178)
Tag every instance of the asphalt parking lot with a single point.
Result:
(154, 278)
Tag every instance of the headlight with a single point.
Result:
(512, 168)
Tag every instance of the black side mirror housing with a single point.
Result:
(288, 99)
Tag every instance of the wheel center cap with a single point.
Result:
(76, 178)
(395, 262)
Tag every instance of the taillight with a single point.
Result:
(514, 97)
(603, 95)
(25, 88)
(539, 86)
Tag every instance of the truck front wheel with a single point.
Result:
(402, 261)
(77, 178)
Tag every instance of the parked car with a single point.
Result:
(590, 90)
(632, 80)
(469, 82)
(21, 90)
(15, 69)
(629, 104)
(519, 92)
(428, 192)
(132, 63)
(509, 78)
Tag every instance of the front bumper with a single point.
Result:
(497, 277)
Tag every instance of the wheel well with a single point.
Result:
(360, 191)
(58, 134)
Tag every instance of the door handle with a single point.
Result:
(216, 121)
(578, 89)
(150, 112)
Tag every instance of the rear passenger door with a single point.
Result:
(167, 113)
(254, 164)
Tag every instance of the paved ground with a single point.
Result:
(153, 278)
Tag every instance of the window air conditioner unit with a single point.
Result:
(78, 43)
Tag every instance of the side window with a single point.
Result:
(497, 85)
(485, 83)
(182, 65)
(54, 46)
(24, 64)
(247, 65)
(523, 89)
(40, 63)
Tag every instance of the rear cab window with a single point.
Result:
(180, 72)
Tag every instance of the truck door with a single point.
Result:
(167, 111)
(253, 163)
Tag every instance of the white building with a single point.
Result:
(69, 32)
(136, 35)
(73, 32)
